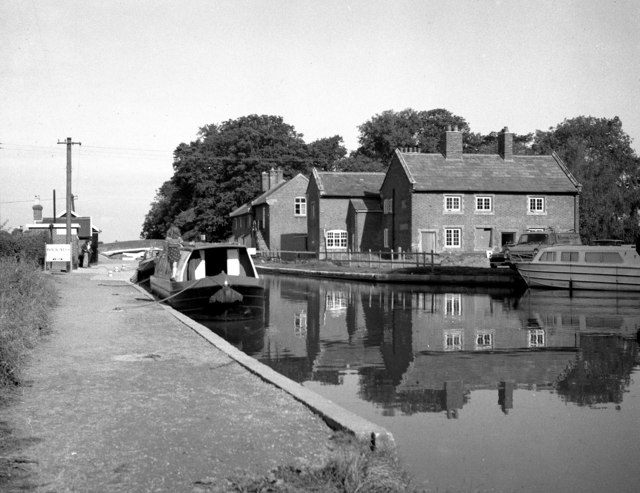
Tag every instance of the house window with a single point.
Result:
(300, 324)
(385, 234)
(536, 205)
(452, 203)
(536, 338)
(453, 340)
(452, 237)
(484, 204)
(453, 304)
(300, 206)
(336, 239)
(336, 300)
(484, 339)
(387, 206)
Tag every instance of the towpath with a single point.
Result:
(128, 395)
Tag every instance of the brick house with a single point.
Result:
(466, 203)
(276, 219)
(336, 201)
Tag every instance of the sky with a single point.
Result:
(130, 80)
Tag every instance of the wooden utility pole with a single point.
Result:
(69, 144)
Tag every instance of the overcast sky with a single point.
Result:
(133, 79)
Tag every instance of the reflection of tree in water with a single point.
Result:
(602, 371)
(376, 385)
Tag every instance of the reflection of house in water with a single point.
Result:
(417, 351)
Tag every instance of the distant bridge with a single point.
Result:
(129, 247)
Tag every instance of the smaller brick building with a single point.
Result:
(343, 214)
(276, 219)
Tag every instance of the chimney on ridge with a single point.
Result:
(505, 144)
(451, 144)
(37, 210)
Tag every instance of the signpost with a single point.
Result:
(58, 253)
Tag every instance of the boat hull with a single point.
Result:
(573, 276)
(227, 297)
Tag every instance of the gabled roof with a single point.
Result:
(348, 184)
(487, 173)
(262, 198)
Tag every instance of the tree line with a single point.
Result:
(221, 169)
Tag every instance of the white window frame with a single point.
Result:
(536, 338)
(456, 203)
(453, 304)
(484, 339)
(453, 339)
(481, 201)
(300, 207)
(387, 206)
(336, 239)
(536, 205)
(453, 237)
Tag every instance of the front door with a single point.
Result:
(483, 239)
(428, 241)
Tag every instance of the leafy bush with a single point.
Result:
(23, 245)
(27, 296)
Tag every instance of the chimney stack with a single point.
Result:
(265, 181)
(451, 145)
(37, 210)
(505, 144)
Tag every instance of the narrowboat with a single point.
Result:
(218, 279)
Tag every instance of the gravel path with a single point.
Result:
(122, 396)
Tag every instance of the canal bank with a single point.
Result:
(128, 395)
(470, 276)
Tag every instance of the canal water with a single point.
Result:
(483, 390)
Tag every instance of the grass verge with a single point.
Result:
(352, 467)
(27, 296)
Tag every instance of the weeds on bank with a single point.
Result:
(27, 296)
(352, 467)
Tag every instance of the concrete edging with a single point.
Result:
(336, 417)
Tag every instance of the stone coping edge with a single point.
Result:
(336, 417)
(489, 279)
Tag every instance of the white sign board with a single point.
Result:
(58, 253)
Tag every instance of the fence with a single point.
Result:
(374, 260)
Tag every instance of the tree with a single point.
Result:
(325, 153)
(598, 153)
(488, 144)
(223, 168)
(384, 133)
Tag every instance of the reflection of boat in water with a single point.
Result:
(592, 312)
(217, 278)
(606, 268)
(246, 334)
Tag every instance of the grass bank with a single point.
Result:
(352, 467)
(27, 296)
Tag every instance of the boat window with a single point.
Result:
(569, 256)
(603, 257)
(548, 257)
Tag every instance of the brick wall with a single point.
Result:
(282, 218)
(509, 214)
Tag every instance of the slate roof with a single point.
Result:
(488, 173)
(348, 184)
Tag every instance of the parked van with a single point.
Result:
(531, 241)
